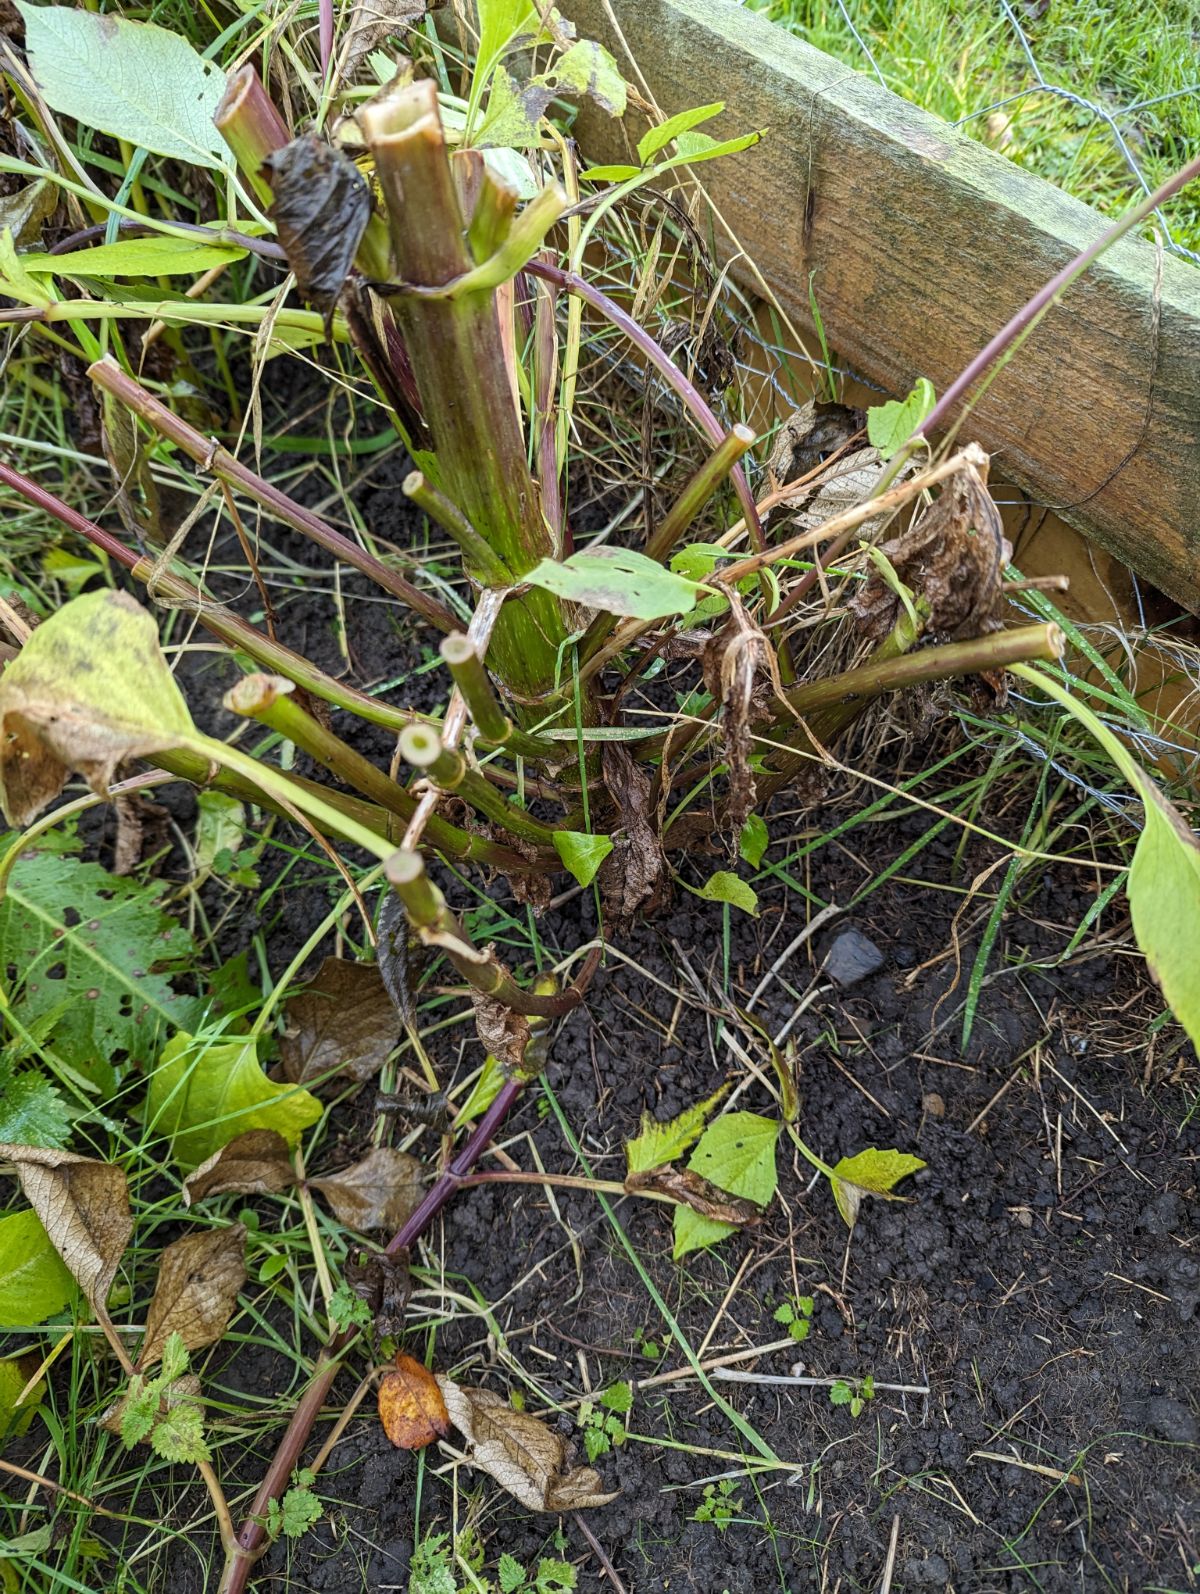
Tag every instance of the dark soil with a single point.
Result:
(1042, 1282)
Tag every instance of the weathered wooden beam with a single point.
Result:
(923, 243)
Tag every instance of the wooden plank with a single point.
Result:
(924, 243)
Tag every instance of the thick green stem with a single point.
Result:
(267, 699)
(458, 361)
(431, 917)
(247, 120)
(450, 518)
(469, 675)
(843, 696)
(422, 747)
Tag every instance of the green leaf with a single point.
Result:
(696, 147)
(589, 69)
(159, 256)
(618, 1397)
(16, 281)
(132, 80)
(32, 1113)
(724, 886)
(890, 425)
(1164, 895)
(659, 1143)
(93, 953)
(178, 1434)
(618, 581)
(754, 840)
(870, 1172)
(659, 137)
(14, 1375)
(484, 1091)
(139, 1409)
(220, 827)
(610, 174)
(202, 1094)
(301, 1511)
(1164, 880)
(34, 1281)
(174, 1360)
(509, 1573)
(737, 1153)
(581, 854)
(554, 1577)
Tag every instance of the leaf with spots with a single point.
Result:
(86, 959)
(737, 1154)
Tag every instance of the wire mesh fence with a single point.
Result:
(1102, 97)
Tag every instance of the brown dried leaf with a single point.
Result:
(693, 1190)
(342, 1024)
(371, 23)
(504, 1034)
(411, 1407)
(141, 826)
(807, 437)
(520, 1453)
(84, 1208)
(255, 1163)
(198, 1282)
(953, 556)
(633, 878)
(394, 960)
(384, 1283)
(321, 207)
(742, 674)
(379, 1192)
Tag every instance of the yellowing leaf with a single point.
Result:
(411, 1407)
(589, 69)
(34, 1284)
(89, 689)
(737, 1153)
(84, 1207)
(870, 1172)
(198, 1282)
(204, 1094)
(658, 1143)
(14, 1375)
(724, 886)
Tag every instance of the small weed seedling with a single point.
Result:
(431, 1570)
(853, 1392)
(796, 1316)
(720, 1504)
(602, 1424)
(299, 1509)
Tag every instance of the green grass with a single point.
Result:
(1116, 72)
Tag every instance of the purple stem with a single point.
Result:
(325, 13)
(447, 1181)
(666, 368)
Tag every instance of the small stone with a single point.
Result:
(933, 1105)
(851, 957)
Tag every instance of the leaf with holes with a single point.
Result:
(203, 1094)
(132, 80)
(618, 581)
(89, 955)
(737, 1154)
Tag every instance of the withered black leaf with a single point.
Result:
(321, 207)
(342, 1024)
(383, 1282)
(952, 556)
(393, 955)
(633, 878)
(693, 1190)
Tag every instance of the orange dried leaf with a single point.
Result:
(411, 1407)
